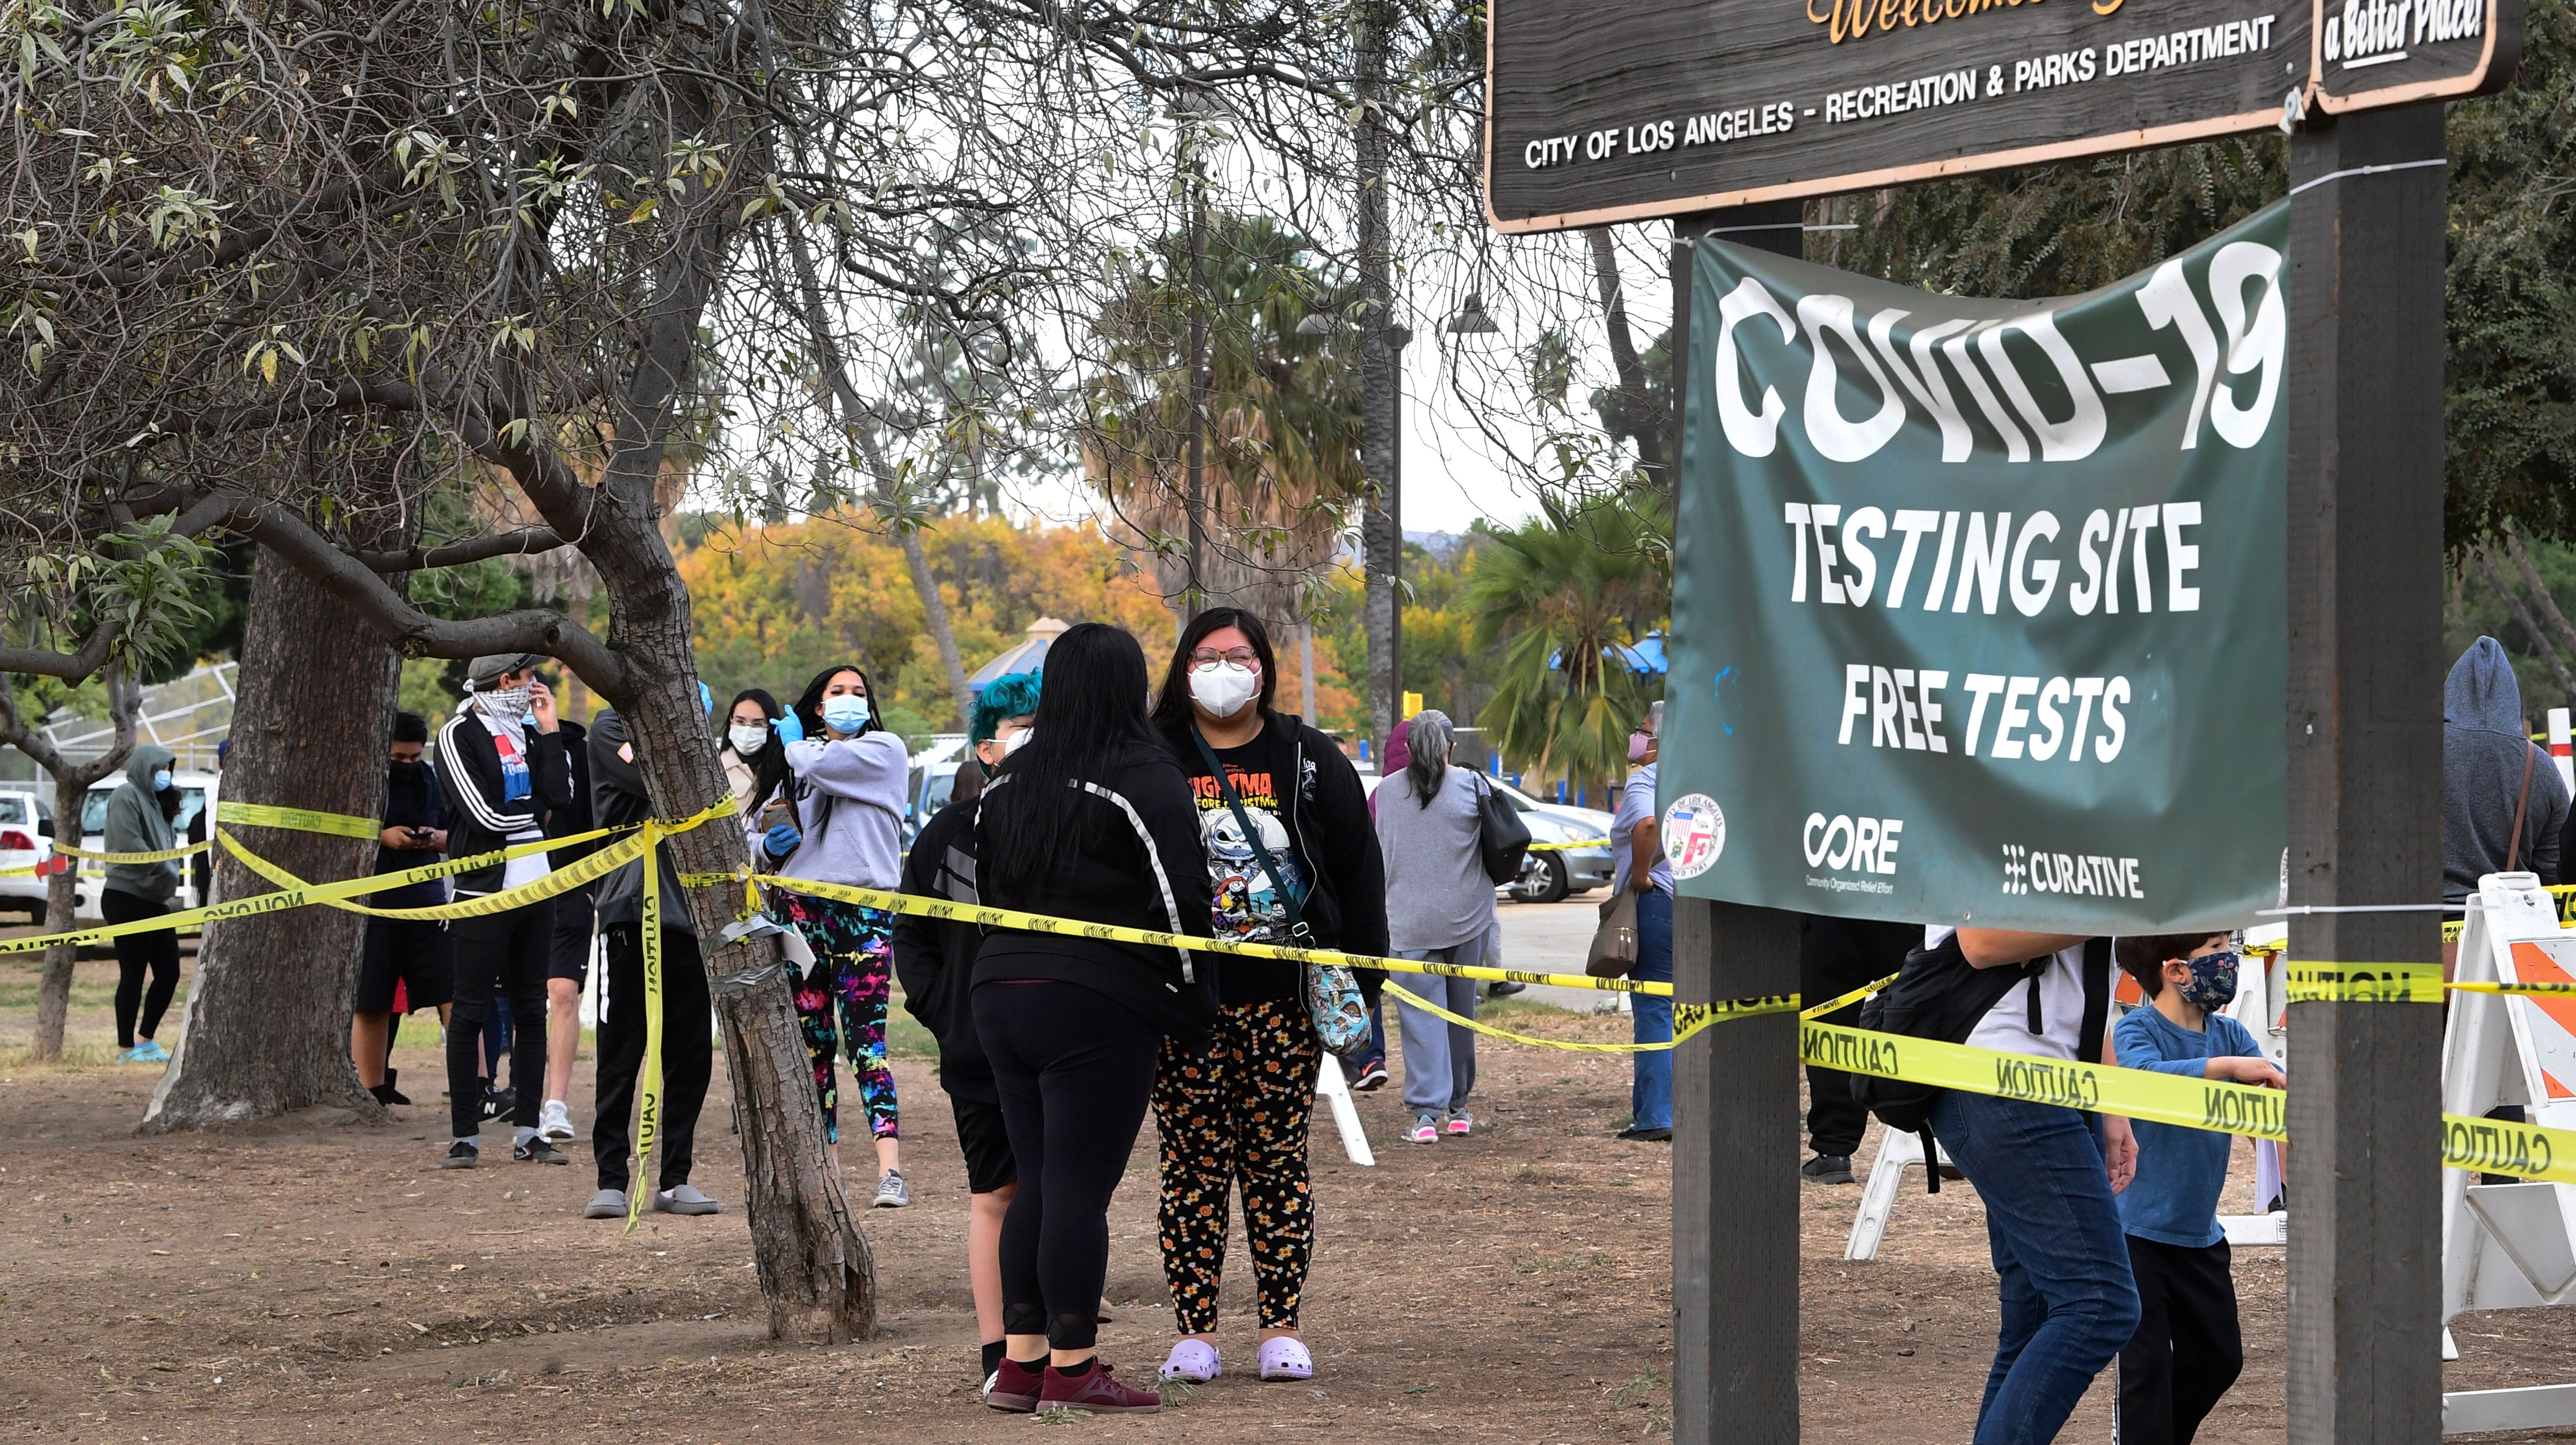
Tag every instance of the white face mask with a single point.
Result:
(1224, 688)
(1017, 741)
(748, 738)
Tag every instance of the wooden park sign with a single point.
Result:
(1600, 111)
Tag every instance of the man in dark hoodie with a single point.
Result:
(501, 765)
(617, 799)
(935, 962)
(414, 952)
(2494, 779)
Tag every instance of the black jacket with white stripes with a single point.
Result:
(479, 820)
(1137, 864)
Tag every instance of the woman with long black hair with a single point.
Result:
(838, 818)
(755, 761)
(1091, 820)
(1290, 857)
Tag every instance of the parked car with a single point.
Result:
(26, 839)
(932, 783)
(197, 793)
(1551, 875)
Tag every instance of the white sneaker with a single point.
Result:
(554, 1121)
(890, 1192)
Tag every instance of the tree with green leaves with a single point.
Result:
(138, 590)
(1565, 595)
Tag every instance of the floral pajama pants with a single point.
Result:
(853, 973)
(1236, 1116)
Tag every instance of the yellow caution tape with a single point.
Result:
(166, 855)
(1847, 1000)
(561, 880)
(989, 917)
(2364, 982)
(296, 820)
(648, 1082)
(1688, 1020)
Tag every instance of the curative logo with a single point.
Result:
(2035, 870)
(1694, 834)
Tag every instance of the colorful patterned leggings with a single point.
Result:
(1237, 1114)
(853, 971)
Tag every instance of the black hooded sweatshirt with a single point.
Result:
(934, 959)
(1134, 863)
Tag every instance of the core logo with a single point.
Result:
(1846, 844)
(2032, 870)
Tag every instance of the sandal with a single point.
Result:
(1193, 1361)
(1286, 1359)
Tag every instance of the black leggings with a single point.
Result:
(135, 953)
(688, 1053)
(503, 953)
(1075, 1070)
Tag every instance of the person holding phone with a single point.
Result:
(415, 953)
(501, 766)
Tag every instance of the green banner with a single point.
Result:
(1978, 606)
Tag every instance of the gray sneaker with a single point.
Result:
(606, 1204)
(686, 1199)
(890, 1191)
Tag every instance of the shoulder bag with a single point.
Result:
(1501, 837)
(1614, 943)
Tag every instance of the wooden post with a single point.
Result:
(2365, 748)
(1735, 1090)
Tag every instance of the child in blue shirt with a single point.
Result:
(2187, 1350)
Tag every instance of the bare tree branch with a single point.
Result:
(525, 542)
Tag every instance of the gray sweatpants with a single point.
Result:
(1439, 1056)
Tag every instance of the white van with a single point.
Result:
(197, 792)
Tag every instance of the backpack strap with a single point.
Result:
(2097, 1000)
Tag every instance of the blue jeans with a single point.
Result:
(1650, 1099)
(2069, 1302)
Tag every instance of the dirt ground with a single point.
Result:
(310, 1279)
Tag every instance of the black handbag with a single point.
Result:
(1502, 839)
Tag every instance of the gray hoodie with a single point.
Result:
(2484, 752)
(849, 806)
(135, 825)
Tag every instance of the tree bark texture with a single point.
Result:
(71, 789)
(1382, 516)
(266, 1026)
(815, 1267)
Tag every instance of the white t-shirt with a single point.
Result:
(2006, 1026)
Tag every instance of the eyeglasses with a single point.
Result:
(1204, 659)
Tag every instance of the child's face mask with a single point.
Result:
(2213, 981)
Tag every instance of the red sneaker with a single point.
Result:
(1095, 1391)
(1016, 1386)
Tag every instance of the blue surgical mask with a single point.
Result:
(2213, 981)
(161, 781)
(845, 714)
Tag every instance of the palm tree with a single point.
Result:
(1282, 426)
(1564, 595)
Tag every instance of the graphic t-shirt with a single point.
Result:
(1248, 907)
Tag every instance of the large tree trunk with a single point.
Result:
(266, 1030)
(71, 791)
(815, 1267)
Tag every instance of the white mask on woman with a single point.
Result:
(748, 738)
(1224, 688)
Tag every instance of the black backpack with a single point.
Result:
(1938, 995)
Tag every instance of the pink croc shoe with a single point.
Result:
(1286, 1359)
(1192, 1361)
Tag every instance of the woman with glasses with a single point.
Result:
(1291, 858)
